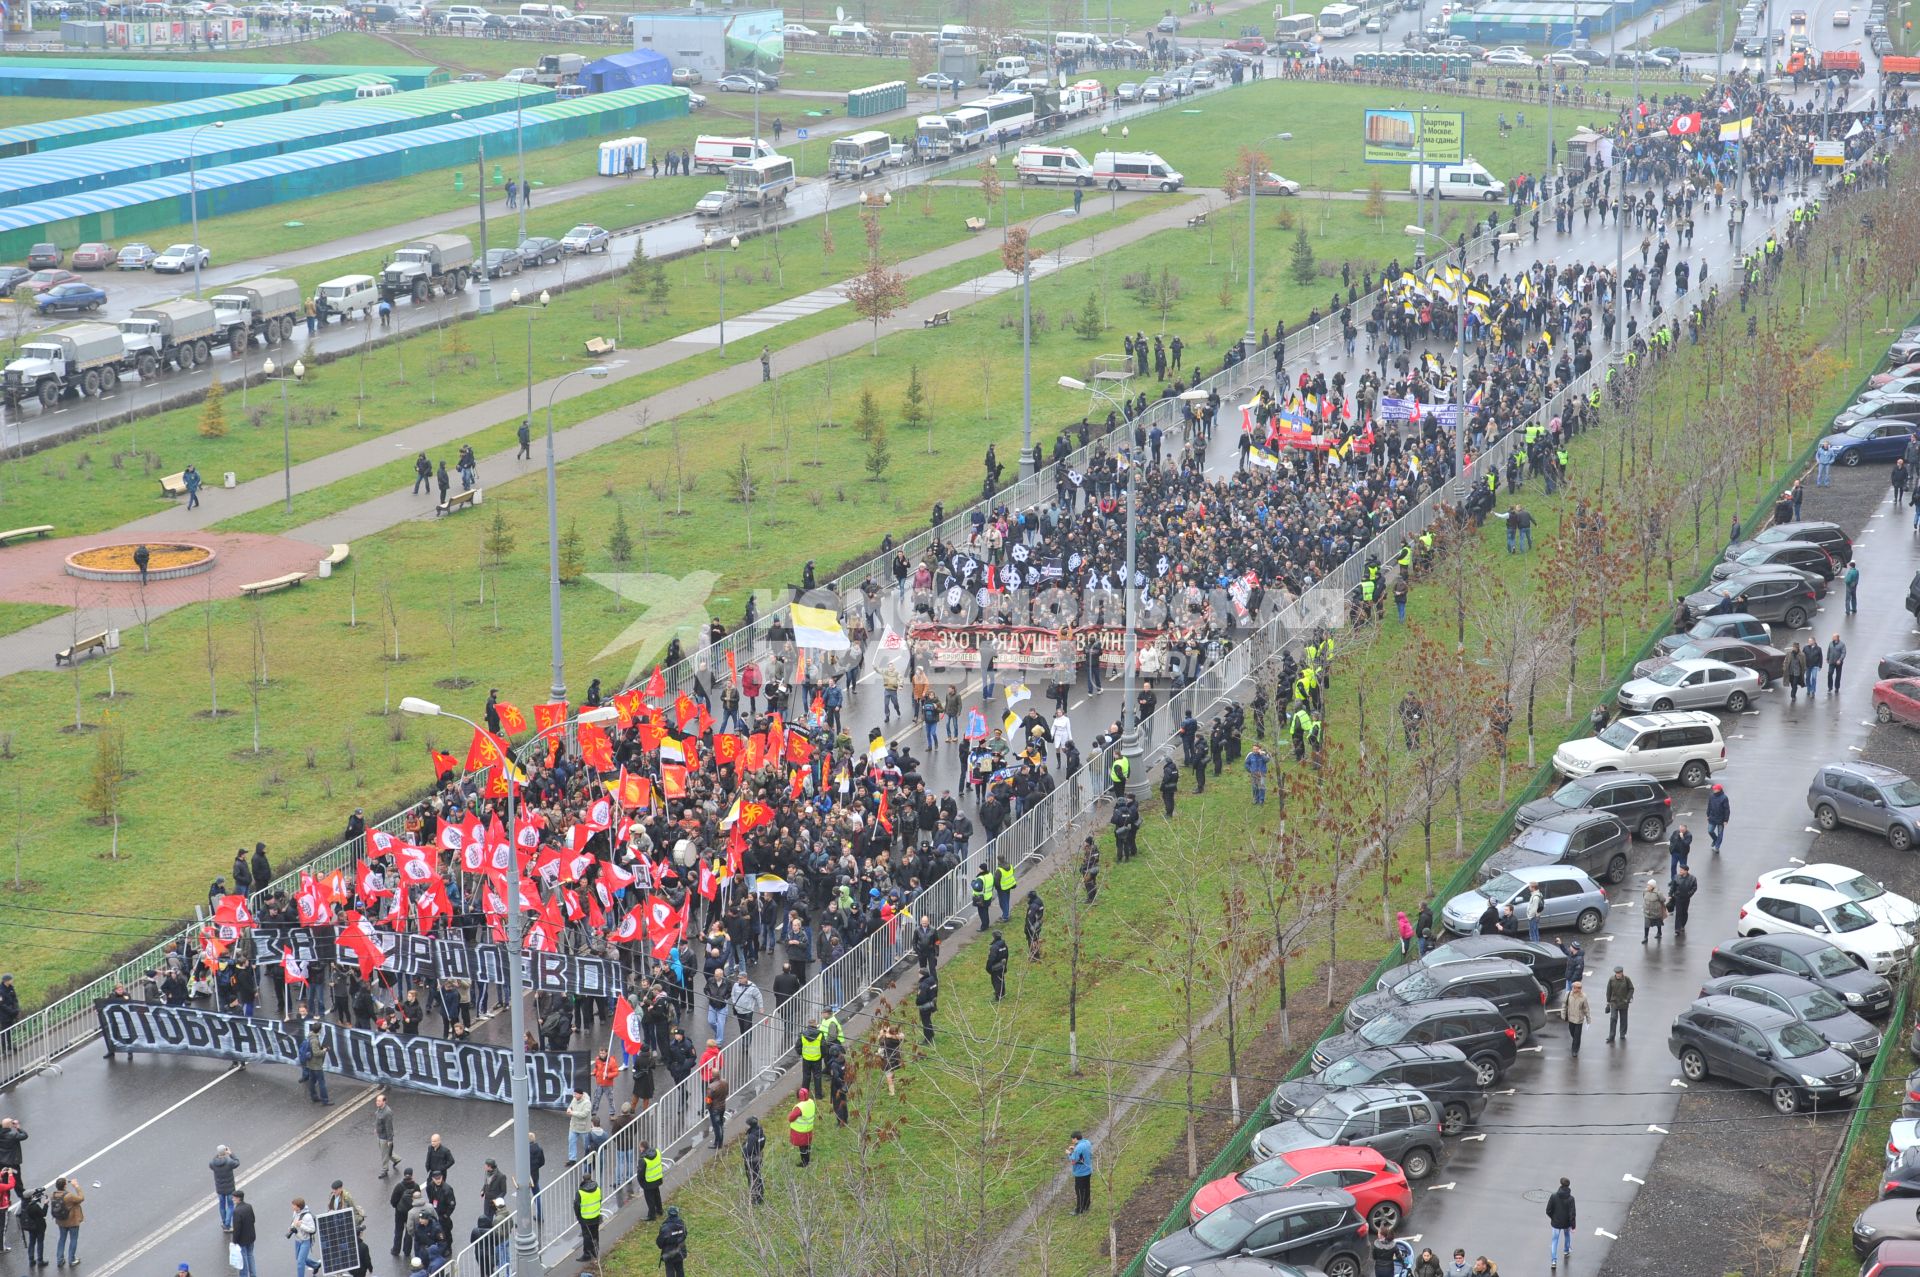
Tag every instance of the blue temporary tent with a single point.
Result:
(629, 70)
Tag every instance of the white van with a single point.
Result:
(374, 91)
(464, 14)
(852, 33)
(1077, 44)
(718, 154)
(345, 297)
(544, 12)
(1468, 181)
(1060, 165)
(1012, 67)
(1135, 171)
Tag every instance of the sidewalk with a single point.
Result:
(27, 649)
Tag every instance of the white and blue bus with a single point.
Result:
(859, 155)
(966, 128)
(1008, 114)
(1297, 26)
(762, 181)
(1341, 20)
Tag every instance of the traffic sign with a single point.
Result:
(1829, 152)
(801, 134)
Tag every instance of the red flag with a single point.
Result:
(595, 748)
(664, 924)
(356, 937)
(487, 750)
(799, 750)
(627, 930)
(232, 911)
(365, 890)
(629, 705)
(754, 815)
(709, 885)
(776, 739)
(314, 902)
(673, 780)
(756, 752)
(512, 721)
(627, 1025)
(736, 848)
(727, 749)
(545, 717)
(296, 970)
(682, 709)
(656, 686)
(733, 666)
(432, 907)
(614, 878)
(499, 785)
(798, 787)
(442, 763)
(884, 816)
(651, 734)
(396, 918)
(477, 852)
(691, 748)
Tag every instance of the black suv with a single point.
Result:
(1635, 798)
(1548, 962)
(1759, 1046)
(1595, 841)
(1442, 1073)
(1803, 556)
(1475, 1025)
(1318, 1227)
(1773, 594)
(1829, 536)
(1508, 985)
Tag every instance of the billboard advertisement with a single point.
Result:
(1414, 137)
(756, 40)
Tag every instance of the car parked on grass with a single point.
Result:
(1866, 796)
(1778, 595)
(92, 255)
(134, 257)
(1271, 183)
(1805, 556)
(1474, 1025)
(1683, 745)
(1694, 683)
(1317, 1227)
(586, 238)
(1816, 911)
(1439, 1071)
(1811, 957)
(1595, 841)
(1762, 1048)
(182, 257)
(1508, 985)
(1889, 907)
(1396, 1121)
(1806, 1001)
(1378, 1184)
(70, 298)
(1764, 659)
(1569, 898)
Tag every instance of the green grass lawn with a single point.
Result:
(839, 72)
(1697, 30)
(456, 53)
(38, 110)
(1204, 141)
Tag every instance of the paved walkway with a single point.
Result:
(27, 649)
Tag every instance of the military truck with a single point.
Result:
(80, 359)
(435, 261)
(263, 308)
(177, 333)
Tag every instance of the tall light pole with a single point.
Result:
(559, 689)
(513, 299)
(299, 371)
(1253, 193)
(708, 244)
(193, 195)
(1027, 466)
(484, 302)
(526, 1245)
(520, 150)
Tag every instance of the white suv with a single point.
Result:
(1815, 911)
(1684, 746)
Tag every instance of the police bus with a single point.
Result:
(1008, 114)
(762, 181)
(1340, 20)
(1298, 26)
(860, 155)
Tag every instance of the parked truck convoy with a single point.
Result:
(433, 261)
(179, 334)
(83, 359)
(266, 309)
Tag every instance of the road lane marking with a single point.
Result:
(1633, 1179)
(171, 1108)
(1469, 1138)
(1601, 1232)
(1661, 1129)
(1447, 1187)
(496, 1130)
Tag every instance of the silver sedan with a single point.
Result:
(1696, 683)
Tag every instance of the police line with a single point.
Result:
(462, 1070)
(445, 956)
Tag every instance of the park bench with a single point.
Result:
(174, 485)
(1196, 221)
(976, 223)
(938, 319)
(458, 501)
(336, 556)
(67, 656)
(21, 534)
(598, 346)
(272, 583)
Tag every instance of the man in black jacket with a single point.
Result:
(927, 1001)
(1560, 1221)
(439, 1156)
(672, 1241)
(245, 1231)
(401, 1200)
(1680, 898)
(997, 966)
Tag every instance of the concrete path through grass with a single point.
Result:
(31, 648)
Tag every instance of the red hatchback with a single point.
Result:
(1248, 44)
(1379, 1186)
(1897, 700)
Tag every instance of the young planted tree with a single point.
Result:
(743, 486)
(619, 540)
(879, 291)
(107, 782)
(213, 411)
(1179, 951)
(1301, 265)
(573, 553)
(913, 406)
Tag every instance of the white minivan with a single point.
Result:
(1467, 181)
(544, 12)
(1012, 67)
(1135, 171)
(459, 15)
(1077, 44)
(852, 33)
(345, 297)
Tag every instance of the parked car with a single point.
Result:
(1508, 985)
(1811, 957)
(1740, 625)
(1548, 962)
(135, 257)
(1509, 58)
(1903, 387)
(1439, 1071)
(1767, 661)
(1595, 841)
(540, 250)
(42, 256)
(1896, 1219)
(1897, 700)
(1569, 898)
(1378, 1185)
(686, 77)
(1694, 683)
(737, 84)
(1804, 556)
(1812, 1005)
(1683, 745)
(1828, 535)
(182, 257)
(1319, 1227)
(716, 204)
(1760, 1047)
(1127, 46)
(1876, 431)
(1901, 664)
(1271, 183)
(1646, 60)
(1894, 1259)
(93, 255)
(1866, 796)
(1395, 1121)
(938, 80)
(1633, 798)
(1128, 92)
(76, 296)
(502, 262)
(1889, 907)
(586, 238)
(41, 280)
(1474, 1025)
(1777, 595)
(1816, 911)
(11, 277)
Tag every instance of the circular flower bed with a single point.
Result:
(115, 562)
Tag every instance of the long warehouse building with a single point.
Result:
(179, 79)
(82, 130)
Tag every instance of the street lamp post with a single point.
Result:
(1027, 466)
(299, 371)
(707, 243)
(1253, 193)
(484, 302)
(526, 1245)
(559, 689)
(513, 299)
(520, 150)
(193, 195)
